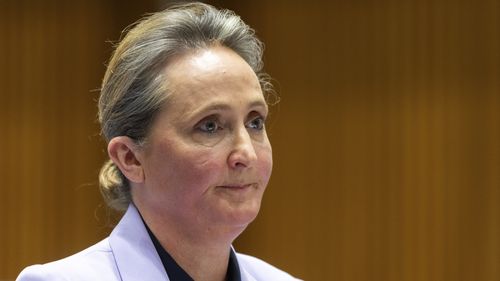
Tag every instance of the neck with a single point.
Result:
(202, 253)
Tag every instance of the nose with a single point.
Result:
(243, 152)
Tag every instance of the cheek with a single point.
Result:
(176, 171)
(197, 170)
(179, 185)
(265, 163)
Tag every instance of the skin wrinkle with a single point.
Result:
(195, 194)
(198, 198)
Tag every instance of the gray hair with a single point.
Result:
(133, 88)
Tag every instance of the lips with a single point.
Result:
(237, 186)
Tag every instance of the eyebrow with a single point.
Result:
(225, 107)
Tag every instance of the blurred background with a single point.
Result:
(386, 140)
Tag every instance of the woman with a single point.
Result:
(182, 108)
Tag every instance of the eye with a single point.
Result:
(209, 126)
(256, 123)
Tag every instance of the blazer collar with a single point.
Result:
(134, 252)
(135, 255)
(245, 275)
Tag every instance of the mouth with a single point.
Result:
(237, 186)
(238, 192)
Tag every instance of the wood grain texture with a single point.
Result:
(386, 141)
(53, 56)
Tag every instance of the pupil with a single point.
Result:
(257, 123)
(211, 126)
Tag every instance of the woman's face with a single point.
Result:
(207, 159)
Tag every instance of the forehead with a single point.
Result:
(211, 72)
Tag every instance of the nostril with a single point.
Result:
(240, 164)
(242, 157)
(237, 160)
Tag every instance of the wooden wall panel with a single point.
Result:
(52, 57)
(386, 141)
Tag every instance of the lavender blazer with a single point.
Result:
(128, 254)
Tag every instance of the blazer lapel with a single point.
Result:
(133, 250)
(245, 275)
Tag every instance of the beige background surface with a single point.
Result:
(386, 141)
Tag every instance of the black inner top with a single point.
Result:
(176, 273)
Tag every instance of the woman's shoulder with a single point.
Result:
(261, 270)
(93, 263)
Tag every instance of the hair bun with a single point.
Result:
(114, 186)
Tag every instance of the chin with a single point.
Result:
(244, 216)
(239, 218)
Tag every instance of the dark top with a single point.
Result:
(176, 273)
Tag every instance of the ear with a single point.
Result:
(123, 151)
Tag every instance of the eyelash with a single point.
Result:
(202, 125)
(207, 121)
(260, 125)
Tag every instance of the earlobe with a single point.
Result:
(123, 152)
